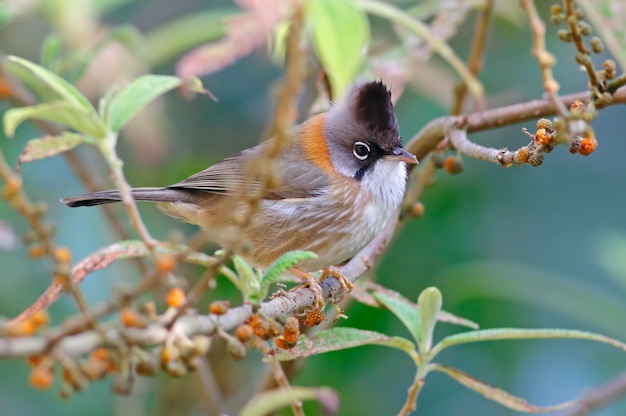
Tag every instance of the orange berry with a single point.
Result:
(131, 319)
(5, 88)
(60, 279)
(40, 318)
(27, 327)
(41, 378)
(165, 263)
(417, 210)
(244, 332)
(314, 318)
(588, 145)
(37, 251)
(219, 307)
(523, 154)
(261, 330)
(176, 297)
(283, 344)
(63, 255)
(12, 186)
(168, 355)
(453, 165)
(291, 332)
(100, 354)
(543, 137)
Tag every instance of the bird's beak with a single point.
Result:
(402, 155)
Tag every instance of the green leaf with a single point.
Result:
(341, 35)
(268, 402)
(404, 310)
(60, 112)
(48, 146)
(560, 294)
(135, 96)
(284, 263)
(60, 86)
(497, 334)
(364, 288)
(246, 273)
(341, 338)
(494, 393)
(7, 13)
(610, 248)
(429, 303)
(51, 52)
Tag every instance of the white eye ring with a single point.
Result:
(361, 150)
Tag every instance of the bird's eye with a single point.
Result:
(361, 150)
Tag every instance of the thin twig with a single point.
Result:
(544, 58)
(399, 16)
(15, 195)
(598, 397)
(23, 98)
(572, 22)
(475, 61)
(428, 138)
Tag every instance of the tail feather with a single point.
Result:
(139, 194)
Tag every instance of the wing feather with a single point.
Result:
(298, 177)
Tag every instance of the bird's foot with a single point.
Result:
(311, 283)
(344, 283)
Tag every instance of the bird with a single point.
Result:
(340, 181)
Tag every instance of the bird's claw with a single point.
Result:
(318, 293)
(344, 283)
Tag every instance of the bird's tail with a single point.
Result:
(139, 194)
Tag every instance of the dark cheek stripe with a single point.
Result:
(361, 171)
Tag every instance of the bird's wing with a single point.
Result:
(297, 177)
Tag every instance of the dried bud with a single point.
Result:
(555, 9)
(522, 154)
(565, 35)
(244, 332)
(544, 123)
(584, 28)
(291, 332)
(314, 318)
(596, 44)
(63, 255)
(37, 251)
(535, 159)
(574, 147)
(579, 13)
(41, 377)
(542, 137)
(453, 165)
(582, 59)
(219, 307)
(588, 145)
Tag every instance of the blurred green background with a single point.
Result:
(531, 247)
